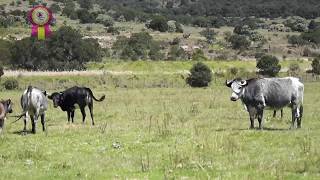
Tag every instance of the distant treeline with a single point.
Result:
(180, 9)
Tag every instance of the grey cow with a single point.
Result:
(274, 93)
(34, 104)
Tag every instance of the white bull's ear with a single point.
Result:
(228, 83)
(243, 83)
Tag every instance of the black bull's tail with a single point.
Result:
(91, 94)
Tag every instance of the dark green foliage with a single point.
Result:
(313, 25)
(294, 69)
(64, 50)
(179, 28)
(1, 71)
(177, 53)
(198, 55)
(209, 34)
(86, 4)
(69, 9)
(113, 30)
(158, 23)
(316, 66)
(268, 65)
(55, 8)
(200, 75)
(85, 16)
(240, 42)
(296, 40)
(5, 54)
(11, 84)
(138, 46)
(312, 36)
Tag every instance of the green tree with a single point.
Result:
(240, 42)
(200, 75)
(64, 50)
(268, 65)
(209, 34)
(158, 23)
(316, 66)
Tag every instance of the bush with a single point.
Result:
(11, 84)
(316, 66)
(198, 55)
(177, 53)
(55, 8)
(138, 46)
(268, 65)
(240, 42)
(64, 50)
(209, 34)
(296, 40)
(294, 69)
(200, 75)
(158, 23)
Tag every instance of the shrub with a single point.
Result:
(239, 42)
(294, 69)
(268, 65)
(209, 34)
(198, 55)
(11, 84)
(64, 50)
(158, 23)
(55, 8)
(177, 53)
(138, 46)
(200, 75)
(316, 66)
(296, 40)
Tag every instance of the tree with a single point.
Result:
(313, 25)
(240, 42)
(316, 66)
(86, 4)
(138, 46)
(55, 8)
(209, 34)
(268, 65)
(294, 69)
(200, 75)
(64, 50)
(158, 23)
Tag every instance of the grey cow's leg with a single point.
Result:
(260, 118)
(43, 122)
(293, 112)
(33, 123)
(281, 113)
(300, 117)
(252, 115)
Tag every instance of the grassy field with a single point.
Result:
(160, 133)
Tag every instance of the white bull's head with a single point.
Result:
(237, 87)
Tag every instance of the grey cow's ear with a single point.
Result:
(243, 82)
(228, 83)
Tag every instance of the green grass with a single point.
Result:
(177, 66)
(163, 133)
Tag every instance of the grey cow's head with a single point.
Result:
(237, 87)
(57, 98)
